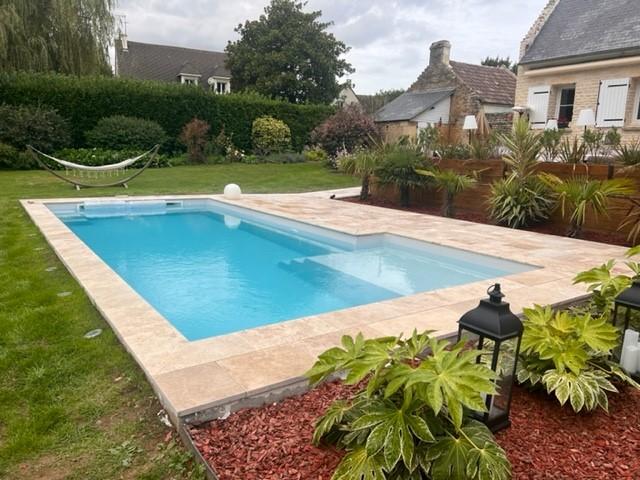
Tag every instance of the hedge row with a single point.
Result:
(85, 100)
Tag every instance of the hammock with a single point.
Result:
(83, 174)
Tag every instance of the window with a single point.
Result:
(189, 79)
(221, 87)
(566, 97)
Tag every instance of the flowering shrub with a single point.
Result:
(348, 129)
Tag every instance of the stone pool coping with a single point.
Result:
(206, 378)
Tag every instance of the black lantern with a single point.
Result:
(492, 327)
(629, 299)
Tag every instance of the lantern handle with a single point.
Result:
(495, 293)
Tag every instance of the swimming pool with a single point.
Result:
(211, 268)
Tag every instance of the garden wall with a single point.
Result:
(475, 200)
(85, 100)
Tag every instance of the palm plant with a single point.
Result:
(629, 154)
(572, 152)
(581, 195)
(363, 164)
(521, 198)
(550, 143)
(399, 169)
(450, 183)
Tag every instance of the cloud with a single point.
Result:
(389, 39)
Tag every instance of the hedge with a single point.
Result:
(85, 100)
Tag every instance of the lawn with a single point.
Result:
(76, 408)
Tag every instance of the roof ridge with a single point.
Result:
(175, 47)
(499, 68)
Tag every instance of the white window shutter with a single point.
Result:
(538, 106)
(612, 102)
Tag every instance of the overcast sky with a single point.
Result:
(389, 39)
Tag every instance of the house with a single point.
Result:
(146, 61)
(347, 96)
(445, 93)
(582, 56)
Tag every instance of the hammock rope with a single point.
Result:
(74, 170)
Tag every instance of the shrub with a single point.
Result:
(270, 135)
(85, 100)
(119, 132)
(412, 418)
(97, 156)
(570, 352)
(363, 164)
(450, 183)
(40, 127)
(12, 158)
(550, 143)
(399, 169)
(348, 129)
(315, 154)
(572, 151)
(522, 198)
(194, 137)
(628, 154)
(454, 151)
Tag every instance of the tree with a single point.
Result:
(451, 184)
(498, 61)
(372, 103)
(49, 35)
(287, 54)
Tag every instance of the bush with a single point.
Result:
(85, 100)
(120, 133)
(194, 137)
(412, 416)
(42, 128)
(519, 203)
(12, 158)
(315, 154)
(399, 169)
(270, 135)
(348, 129)
(96, 157)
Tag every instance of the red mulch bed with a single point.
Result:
(545, 441)
(613, 238)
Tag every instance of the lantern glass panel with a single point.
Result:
(505, 368)
(471, 339)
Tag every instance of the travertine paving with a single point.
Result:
(192, 376)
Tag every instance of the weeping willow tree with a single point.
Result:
(65, 36)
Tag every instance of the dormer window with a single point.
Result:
(219, 85)
(187, 79)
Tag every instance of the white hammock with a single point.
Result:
(102, 168)
(86, 172)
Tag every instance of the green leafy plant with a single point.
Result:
(398, 168)
(572, 151)
(120, 132)
(40, 127)
(14, 159)
(521, 198)
(270, 135)
(593, 141)
(451, 184)
(581, 195)
(454, 151)
(98, 156)
(550, 142)
(569, 354)
(428, 138)
(363, 164)
(315, 154)
(411, 420)
(628, 153)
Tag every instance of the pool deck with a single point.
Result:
(196, 376)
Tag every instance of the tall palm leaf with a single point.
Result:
(581, 195)
(361, 164)
(523, 147)
(451, 184)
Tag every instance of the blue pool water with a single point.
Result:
(212, 269)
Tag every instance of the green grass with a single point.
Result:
(77, 408)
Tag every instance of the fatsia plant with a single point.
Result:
(451, 184)
(581, 195)
(569, 354)
(411, 419)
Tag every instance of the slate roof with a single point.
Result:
(410, 104)
(147, 61)
(591, 28)
(492, 84)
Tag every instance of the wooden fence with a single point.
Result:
(475, 200)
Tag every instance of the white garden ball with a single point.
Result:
(232, 192)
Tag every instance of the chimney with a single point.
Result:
(123, 40)
(439, 53)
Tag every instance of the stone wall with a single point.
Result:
(586, 78)
(392, 131)
(500, 122)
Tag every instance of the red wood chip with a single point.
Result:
(545, 441)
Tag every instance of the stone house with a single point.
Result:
(445, 92)
(582, 56)
(164, 63)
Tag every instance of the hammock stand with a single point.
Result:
(96, 172)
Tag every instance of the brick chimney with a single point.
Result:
(439, 53)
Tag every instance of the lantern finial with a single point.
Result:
(495, 294)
